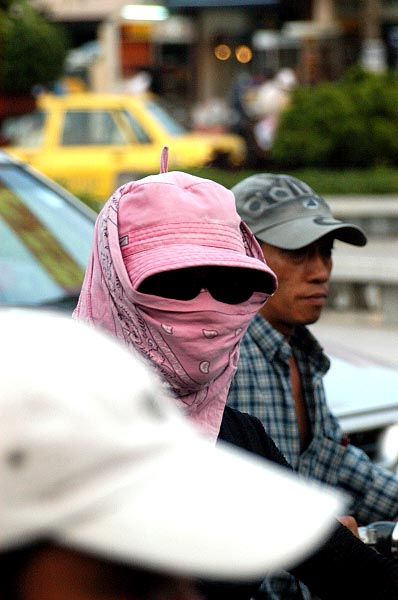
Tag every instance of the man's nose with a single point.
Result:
(319, 266)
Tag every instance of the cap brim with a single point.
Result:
(298, 233)
(209, 512)
(180, 256)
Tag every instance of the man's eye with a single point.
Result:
(297, 255)
(327, 251)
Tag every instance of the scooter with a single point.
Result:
(383, 535)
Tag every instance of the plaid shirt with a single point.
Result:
(261, 387)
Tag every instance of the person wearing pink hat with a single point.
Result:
(177, 276)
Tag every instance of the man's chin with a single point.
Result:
(311, 318)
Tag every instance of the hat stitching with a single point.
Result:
(247, 262)
(188, 227)
(228, 242)
(176, 184)
(198, 243)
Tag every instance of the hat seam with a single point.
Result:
(206, 182)
(166, 226)
(235, 245)
(218, 236)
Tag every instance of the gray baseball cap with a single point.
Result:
(285, 212)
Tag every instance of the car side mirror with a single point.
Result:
(388, 448)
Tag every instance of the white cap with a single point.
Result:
(94, 456)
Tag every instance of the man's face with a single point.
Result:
(61, 574)
(303, 277)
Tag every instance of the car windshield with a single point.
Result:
(26, 130)
(161, 115)
(45, 242)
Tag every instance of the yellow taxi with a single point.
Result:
(92, 143)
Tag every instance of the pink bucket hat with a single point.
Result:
(176, 220)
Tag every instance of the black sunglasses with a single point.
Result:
(231, 285)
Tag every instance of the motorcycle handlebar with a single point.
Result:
(382, 536)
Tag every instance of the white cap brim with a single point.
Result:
(210, 512)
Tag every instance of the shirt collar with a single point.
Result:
(273, 343)
(310, 348)
(268, 339)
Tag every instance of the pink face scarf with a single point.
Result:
(164, 222)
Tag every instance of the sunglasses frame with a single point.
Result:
(230, 285)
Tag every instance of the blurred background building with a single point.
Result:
(195, 50)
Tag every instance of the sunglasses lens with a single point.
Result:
(231, 293)
(225, 284)
(234, 285)
(171, 284)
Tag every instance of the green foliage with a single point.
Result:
(377, 180)
(32, 50)
(351, 123)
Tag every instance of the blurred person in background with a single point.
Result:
(107, 492)
(281, 364)
(177, 276)
(270, 100)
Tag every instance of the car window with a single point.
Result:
(26, 130)
(139, 132)
(91, 127)
(45, 241)
(168, 122)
